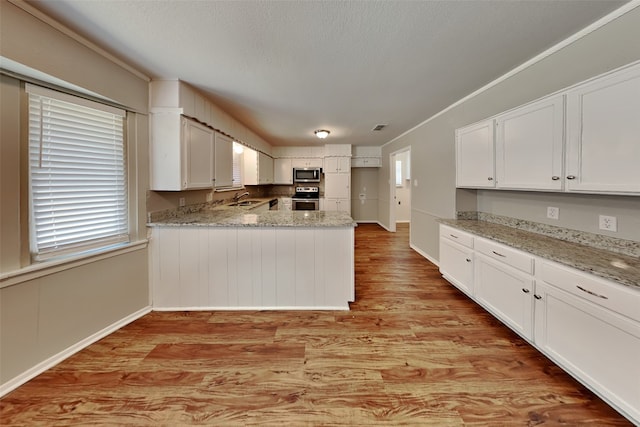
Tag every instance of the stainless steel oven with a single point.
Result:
(306, 199)
(305, 204)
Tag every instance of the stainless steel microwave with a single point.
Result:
(306, 174)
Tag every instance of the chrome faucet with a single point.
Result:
(239, 196)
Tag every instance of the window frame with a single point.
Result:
(92, 245)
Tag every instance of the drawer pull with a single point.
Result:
(537, 296)
(453, 235)
(468, 259)
(571, 177)
(591, 292)
(526, 291)
(499, 254)
(555, 178)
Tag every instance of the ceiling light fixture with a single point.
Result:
(321, 133)
(238, 148)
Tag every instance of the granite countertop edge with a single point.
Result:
(609, 265)
(234, 216)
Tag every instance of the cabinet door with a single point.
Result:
(529, 144)
(506, 293)
(265, 169)
(597, 346)
(474, 156)
(456, 265)
(603, 124)
(223, 170)
(198, 146)
(337, 185)
(338, 205)
(282, 171)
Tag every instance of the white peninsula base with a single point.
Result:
(252, 268)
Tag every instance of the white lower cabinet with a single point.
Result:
(456, 258)
(589, 326)
(594, 344)
(506, 293)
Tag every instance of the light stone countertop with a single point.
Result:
(620, 268)
(232, 216)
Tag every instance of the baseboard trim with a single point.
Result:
(424, 254)
(261, 308)
(36, 370)
(384, 226)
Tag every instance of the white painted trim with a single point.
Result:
(77, 37)
(424, 254)
(50, 267)
(628, 7)
(261, 308)
(422, 211)
(36, 370)
(385, 227)
(406, 221)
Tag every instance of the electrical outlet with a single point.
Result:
(609, 223)
(181, 202)
(553, 213)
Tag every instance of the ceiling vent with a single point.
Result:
(379, 127)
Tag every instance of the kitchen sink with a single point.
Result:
(246, 203)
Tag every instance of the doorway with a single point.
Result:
(400, 188)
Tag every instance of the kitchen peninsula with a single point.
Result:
(231, 257)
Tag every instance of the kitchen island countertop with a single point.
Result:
(231, 216)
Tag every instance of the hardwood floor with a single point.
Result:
(412, 351)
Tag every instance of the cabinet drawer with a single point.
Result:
(512, 257)
(615, 297)
(456, 235)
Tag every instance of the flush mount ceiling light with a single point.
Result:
(321, 133)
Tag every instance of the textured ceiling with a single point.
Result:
(286, 68)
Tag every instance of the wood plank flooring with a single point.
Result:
(412, 351)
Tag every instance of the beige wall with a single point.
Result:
(433, 155)
(364, 181)
(43, 316)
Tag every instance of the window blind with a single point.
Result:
(77, 173)
(237, 168)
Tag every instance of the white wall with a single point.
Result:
(432, 143)
(42, 317)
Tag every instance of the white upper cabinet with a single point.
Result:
(306, 162)
(181, 153)
(223, 161)
(603, 134)
(474, 155)
(366, 157)
(198, 155)
(282, 171)
(529, 146)
(337, 185)
(258, 168)
(337, 165)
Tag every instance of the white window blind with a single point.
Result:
(77, 172)
(237, 164)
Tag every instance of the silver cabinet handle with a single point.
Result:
(571, 177)
(499, 254)
(555, 178)
(526, 291)
(591, 292)
(453, 235)
(537, 296)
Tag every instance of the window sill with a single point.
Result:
(50, 267)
